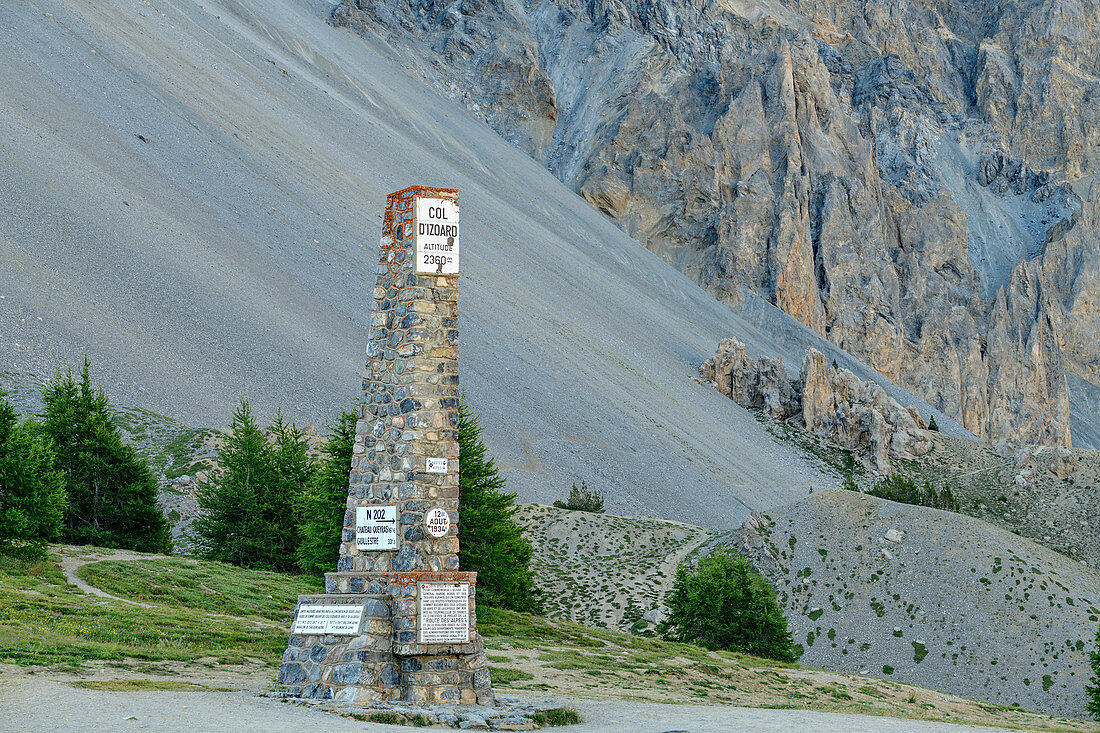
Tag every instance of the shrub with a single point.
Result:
(899, 488)
(562, 717)
(112, 492)
(490, 540)
(250, 501)
(724, 604)
(1093, 690)
(583, 499)
(324, 501)
(932, 423)
(32, 488)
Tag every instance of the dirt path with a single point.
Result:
(73, 558)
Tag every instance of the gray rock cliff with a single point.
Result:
(832, 402)
(898, 177)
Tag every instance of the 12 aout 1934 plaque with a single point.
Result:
(444, 613)
(338, 619)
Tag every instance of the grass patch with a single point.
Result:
(507, 675)
(44, 620)
(558, 717)
(206, 586)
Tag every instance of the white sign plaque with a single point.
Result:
(435, 237)
(437, 522)
(376, 528)
(341, 619)
(444, 613)
(437, 465)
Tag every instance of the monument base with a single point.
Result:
(383, 653)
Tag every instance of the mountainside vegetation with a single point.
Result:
(323, 502)
(70, 473)
(723, 603)
(251, 503)
(491, 542)
(32, 488)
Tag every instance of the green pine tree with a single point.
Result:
(1093, 690)
(724, 604)
(932, 423)
(490, 540)
(323, 504)
(32, 488)
(250, 502)
(280, 502)
(112, 492)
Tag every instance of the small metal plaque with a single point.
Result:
(436, 465)
(376, 528)
(437, 522)
(444, 613)
(341, 619)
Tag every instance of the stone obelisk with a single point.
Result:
(397, 621)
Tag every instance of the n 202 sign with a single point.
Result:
(376, 528)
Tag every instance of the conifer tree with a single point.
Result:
(724, 604)
(112, 492)
(1093, 690)
(490, 540)
(324, 502)
(282, 499)
(251, 500)
(32, 488)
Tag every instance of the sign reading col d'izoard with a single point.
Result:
(435, 236)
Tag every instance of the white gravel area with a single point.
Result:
(54, 707)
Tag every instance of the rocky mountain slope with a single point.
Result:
(191, 192)
(909, 179)
(929, 597)
(1049, 495)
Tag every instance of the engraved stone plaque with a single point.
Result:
(338, 619)
(444, 613)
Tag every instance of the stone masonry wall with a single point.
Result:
(408, 415)
(410, 407)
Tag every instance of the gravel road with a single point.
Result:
(54, 707)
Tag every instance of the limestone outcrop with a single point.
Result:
(761, 383)
(898, 177)
(851, 413)
(832, 403)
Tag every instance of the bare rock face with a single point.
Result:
(833, 403)
(1061, 462)
(898, 176)
(845, 410)
(762, 384)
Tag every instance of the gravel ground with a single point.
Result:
(191, 193)
(54, 707)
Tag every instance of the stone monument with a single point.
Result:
(397, 620)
